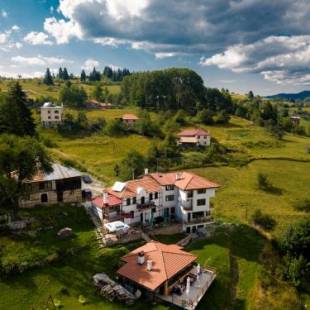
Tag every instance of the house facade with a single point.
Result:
(63, 185)
(51, 115)
(160, 197)
(196, 137)
(129, 119)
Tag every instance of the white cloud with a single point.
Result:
(281, 59)
(39, 60)
(15, 28)
(4, 13)
(3, 37)
(62, 30)
(162, 55)
(37, 38)
(89, 64)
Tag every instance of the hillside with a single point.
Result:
(293, 96)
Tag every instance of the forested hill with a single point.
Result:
(296, 96)
(173, 89)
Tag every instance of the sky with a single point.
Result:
(241, 45)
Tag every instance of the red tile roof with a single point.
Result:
(183, 180)
(193, 133)
(130, 190)
(112, 201)
(167, 261)
(129, 117)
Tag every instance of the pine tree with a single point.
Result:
(65, 74)
(83, 76)
(15, 117)
(48, 79)
(60, 73)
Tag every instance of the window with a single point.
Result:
(56, 112)
(49, 117)
(44, 198)
(128, 201)
(169, 187)
(134, 200)
(49, 112)
(151, 196)
(173, 210)
(132, 214)
(170, 198)
(56, 117)
(201, 202)
(41, 186)
(156, 195)
(189, 194)
(201, 191)
(153, 210)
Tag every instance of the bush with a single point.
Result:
(302, 205)
(263, 182)
(264, 221)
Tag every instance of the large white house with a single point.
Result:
(51, 114)
(177, 196)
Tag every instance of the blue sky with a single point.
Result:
(241, 45)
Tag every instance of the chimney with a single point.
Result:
(149, 264)
(140, 258)
(146, 171)
(105, 198)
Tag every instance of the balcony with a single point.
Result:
(146, 205)
(200, 219)
(187, 204)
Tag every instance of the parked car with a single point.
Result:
(87, 179)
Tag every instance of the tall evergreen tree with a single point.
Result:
(48, 79)
(83, 76)
(15, 117)
(60, 73)
(65, 74)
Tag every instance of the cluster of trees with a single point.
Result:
(20, 150)
(72, 95)
(108, 73)
(79, 124)
(177, 89)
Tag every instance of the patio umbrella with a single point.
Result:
(188, 285)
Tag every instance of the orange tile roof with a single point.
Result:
(130, 117)
(183, 180)
(130, 190)
(193, 133)
(112, 201)
(167, 261)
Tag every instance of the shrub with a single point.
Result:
(302, 205)
(264, 221)
(263, 182)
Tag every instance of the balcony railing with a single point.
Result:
(146, 205)
(201, 219)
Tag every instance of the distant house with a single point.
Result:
(197, 137)
(166, 272)
(129, 119)
(51, 114)
(64, 184)
(159, 197)
(295, 120)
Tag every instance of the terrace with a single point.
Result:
(199, 284)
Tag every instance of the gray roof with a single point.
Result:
(59, 172)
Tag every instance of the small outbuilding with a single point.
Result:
(196, 137)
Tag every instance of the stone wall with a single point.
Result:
(72, 196)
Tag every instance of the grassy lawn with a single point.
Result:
(239, 195)
(35, 88)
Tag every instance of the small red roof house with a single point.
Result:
(198, 137)
(161, 269)
(129, 119)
